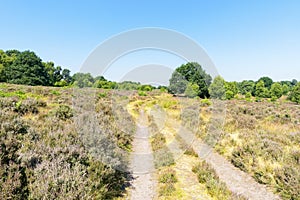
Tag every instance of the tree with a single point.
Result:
(217, 88)
(285, 89)
(231, 89)
(83, 80)
(295, 94)
(27, 69)
(178, 83)
(66, 75)
(267, 81)
(261, 90)
(191, 72)
(276, 90)
(192, 90)
(294, 82)
(246, 86)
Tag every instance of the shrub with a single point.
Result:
(64, 112)
(205, 102)
(142, 93)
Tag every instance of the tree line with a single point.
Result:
(28, 69)
(189, 79)
(192, 80)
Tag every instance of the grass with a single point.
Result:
(263, 140)
(216, 189)
(167, 180)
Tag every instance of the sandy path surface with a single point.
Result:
(236, 180)
(143, 183)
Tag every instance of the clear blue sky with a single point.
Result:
(246, 39)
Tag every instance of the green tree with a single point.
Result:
(285, 89)
(267, 81)
(66, 76)
(217, 88)
(49, 67)
(231, 89)
(276, 90)
(83, 80)
(192, 90)
(27, 69)
(261, 90)
(246, 86)
(193, 72)
(295, 94)
(6, 59)
(178, 83)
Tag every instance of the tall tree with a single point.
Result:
(27, 69)
(246, 86)
(261, 90)
(267, 81)
(192, 90)
(231, 89)
(295, 94)
(217, 88)
(83, 80)
(276, 90)
(177, 83)
(66, 75)
(192, 72)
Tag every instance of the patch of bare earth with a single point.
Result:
(143, 185)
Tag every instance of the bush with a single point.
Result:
(142, 93)
(205, 102)
(64, 112)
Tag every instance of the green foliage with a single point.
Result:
(64, 112)
(231, 90)
(146, 88)
(55, 92)
(248, 95)
(217, 88)
(177, 83)
(27, 69)
(142, 93)
(285, 89)
(267, 81)
(295, 94)
(246, 86)
(128, 85)
(229, 95)
(260, 90)
(192, 90)
(205, 102)
(276, 90)
(83, 80)
(191, 72)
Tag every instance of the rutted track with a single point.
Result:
(143, 185)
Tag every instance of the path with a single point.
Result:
(141, 165)
(236, 180)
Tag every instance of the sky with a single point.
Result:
(244, 39)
